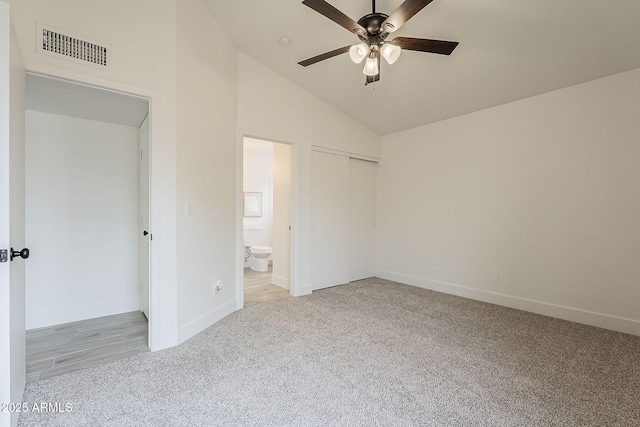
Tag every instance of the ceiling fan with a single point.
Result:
(372, 30)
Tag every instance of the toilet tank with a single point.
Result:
(253, 235)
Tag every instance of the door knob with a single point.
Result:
(24, 254)
(145, 232)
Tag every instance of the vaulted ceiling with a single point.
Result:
(509, 50)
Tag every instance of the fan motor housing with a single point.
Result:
(372, 22)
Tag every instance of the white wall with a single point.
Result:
(544, 191)
(145, 38)
(275, 109)
(207, 72)
(142, 39)
(258, 177)
(81, 219)
(157, 47)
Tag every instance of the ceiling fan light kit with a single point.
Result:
(372, 30)
(358, 52)
(390, 52)
(371, 66)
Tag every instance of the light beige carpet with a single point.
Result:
(370, 353)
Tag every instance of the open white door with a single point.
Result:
(281, 236)
(144, 236)
(12, 308)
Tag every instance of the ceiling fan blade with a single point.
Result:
(324, 8)
(403, 13)
(324, 56)
(425, 45)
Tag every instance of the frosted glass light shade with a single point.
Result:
(358, 52)
(390, 52)
(371, 66)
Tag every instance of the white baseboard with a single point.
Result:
(203, 322)
(74, 314)
(302, 289)
(280, 281)
(165, 340)
(620, 324)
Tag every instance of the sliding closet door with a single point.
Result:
(330, 220)
(362, 219)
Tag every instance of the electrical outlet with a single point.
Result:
(495, 277)
(216, 286)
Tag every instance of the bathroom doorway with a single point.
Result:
(266, 220)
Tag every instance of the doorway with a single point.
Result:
(267, 184)
(87, 203)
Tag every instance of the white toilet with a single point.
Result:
(253, 237)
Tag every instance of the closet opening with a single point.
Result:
(87, 223)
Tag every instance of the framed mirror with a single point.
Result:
(252, 203)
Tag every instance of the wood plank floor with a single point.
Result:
(258, 287)
(58, 349)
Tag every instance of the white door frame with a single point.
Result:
(154, 335)
(12, 292)
(294, 281)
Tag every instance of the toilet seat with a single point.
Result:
(260, 249)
